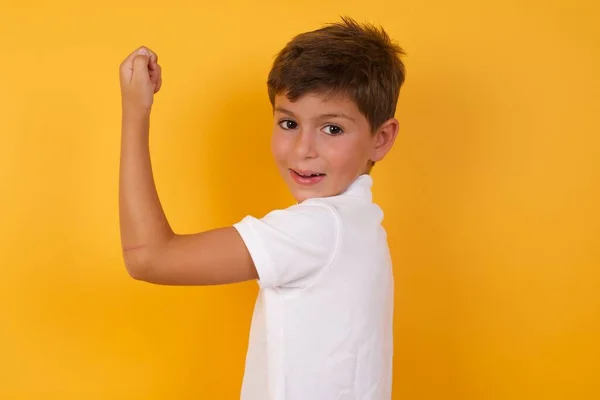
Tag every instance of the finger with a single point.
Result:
(156, 72)
(129, 59)
(128, 62)
(140, 67)
(153, 57)
(156, 78)
(159, 84)
(149, 52)
(127, 66)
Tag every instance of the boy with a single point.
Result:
(322, 323)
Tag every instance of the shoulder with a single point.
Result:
(312, 215)
(291, 245)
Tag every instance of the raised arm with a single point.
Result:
(151, 250)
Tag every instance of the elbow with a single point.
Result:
(147, 262)
(138, 264)
(137, 272)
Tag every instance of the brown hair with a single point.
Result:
(342, 58)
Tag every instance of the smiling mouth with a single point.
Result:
(307, 174)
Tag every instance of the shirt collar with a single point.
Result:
(361, 187)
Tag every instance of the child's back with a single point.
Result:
(327, 334)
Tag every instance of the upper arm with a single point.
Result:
(286, 247)
(218, 256)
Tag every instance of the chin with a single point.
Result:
(301, 195)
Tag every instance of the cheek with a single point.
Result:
(346, 154)
(279, 146)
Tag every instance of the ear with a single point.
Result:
(383, 139)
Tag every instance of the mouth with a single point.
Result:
(306, 177)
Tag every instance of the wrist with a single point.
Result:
(135, 123)
(134, 113)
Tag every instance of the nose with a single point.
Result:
(305, 145)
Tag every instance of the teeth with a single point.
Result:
(308, 175)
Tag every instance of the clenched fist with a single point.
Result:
(140, 78)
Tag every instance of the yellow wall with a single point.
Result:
(492, 194)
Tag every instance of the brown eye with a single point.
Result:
(333, 130)
(288, 124)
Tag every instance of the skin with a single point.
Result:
(328, 136)
(303, 138)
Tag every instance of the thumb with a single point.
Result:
(140, 65)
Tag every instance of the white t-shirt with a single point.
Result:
(322, 323)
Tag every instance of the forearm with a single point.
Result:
(143, 224)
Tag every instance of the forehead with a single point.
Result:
(315, 103)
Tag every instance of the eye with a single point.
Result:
(288, 124)
(333, 130)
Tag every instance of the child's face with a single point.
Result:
(320, 146)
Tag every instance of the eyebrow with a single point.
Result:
(320, 116)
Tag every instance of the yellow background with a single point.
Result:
(491, 194)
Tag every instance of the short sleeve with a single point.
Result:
(291, 247)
